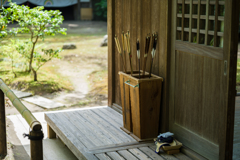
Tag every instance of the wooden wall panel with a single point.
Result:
(146, 28)
(118, 65)
(140, 18)
(155, 12)
(133, 31)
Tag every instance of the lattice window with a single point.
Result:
(201, 21)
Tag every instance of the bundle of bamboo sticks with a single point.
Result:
(151, 43)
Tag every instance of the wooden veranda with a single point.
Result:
(196, 57)
(94, 133)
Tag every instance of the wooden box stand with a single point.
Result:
(140, 104)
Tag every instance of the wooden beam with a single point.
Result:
(111, 51)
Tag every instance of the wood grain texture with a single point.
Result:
(126, 103)
(133, 31)
(115, 155)
(51, 133)
(102, 156)
(73, 144)
(111, 51)
(155, 27)
(201, 50)
(139, 154)
(188, 91)
(117, 61)
(212, 99)
(90, 134)
(127, 155)
(141, 18)
(145, 30)
(164, 51)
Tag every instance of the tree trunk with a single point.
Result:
(31, 58)
(34, 74)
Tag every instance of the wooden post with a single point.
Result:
(79, 10)
(51, 133)
(3, 138)
(36, 145)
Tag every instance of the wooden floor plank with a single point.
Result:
(90, 130)
(182, 156)
(139, 154)
(77, 134)
(115, 156)
(114, 117)
(151, 153)
(73, 144)
(107, 118)
(83, 127)
(127, 155)
(101, 126)
(112, 127)
(102, 156)
(115, 114)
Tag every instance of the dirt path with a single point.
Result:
(78, 68)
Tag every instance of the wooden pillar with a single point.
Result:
(3, 138)
(79, 10)
(111, 51)
(36, 145)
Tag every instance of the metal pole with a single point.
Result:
(3, 138)
(36, 145)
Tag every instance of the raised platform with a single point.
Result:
(94, 133)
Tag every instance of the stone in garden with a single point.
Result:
(69, 46)
(43, 102)
(105, 41)
(21, 94)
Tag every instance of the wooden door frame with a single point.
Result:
(230, 55)
(226, 148)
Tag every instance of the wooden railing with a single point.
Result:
(35, 134)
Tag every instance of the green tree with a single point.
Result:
(40, 59)
(101, 8)
(38, 23)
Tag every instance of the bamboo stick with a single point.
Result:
(138, 56)
(120, 52)
(127, 45)
(124, 51)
